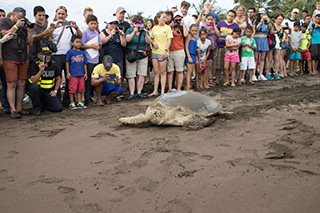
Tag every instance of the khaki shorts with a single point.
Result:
(139, 67)
(176, 61)
(218, 59)
(15, 70)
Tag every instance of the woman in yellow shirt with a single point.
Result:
(161, 35)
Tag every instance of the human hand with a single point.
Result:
(6, 38)
(20, 22)
(135, 29)
(164, 55)
(42, 66)
(85, 77)
(53, 93)
(73, 24)
(106, 77)
(155, 46)
(190, 59)
(68, 76)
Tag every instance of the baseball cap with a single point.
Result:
(111, 19)
(119, 10)
(262, 10)
(107, 61)
(45, 50)
(317, 13)
(295, 10)
(178, 13)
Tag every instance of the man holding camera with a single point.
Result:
(15, 61)
(43, 82)
(61, 37)
(40, 32)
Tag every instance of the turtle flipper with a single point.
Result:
(138, 119)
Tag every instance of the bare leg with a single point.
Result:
(163, 73)
(277, 61)
(11, 94)
(170, 79)
(132, 85)
(98, 91)
(71, 96)
(208, 71)
(250, 76)
(262, 59)
(20, 93)
(179, 80)
(189, 74)
(156, 68)
(140, 83)
(218, 73)
(226, 73)
(197, 68)
(233, 73)
(269, 61)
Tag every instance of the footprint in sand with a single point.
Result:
(103, 134)
(172, 140)
(123, 194)
(5, 177)
(74, 202)
(126, 140)
(48, 180)
(11, 154)
(146, 184)
(174, 206)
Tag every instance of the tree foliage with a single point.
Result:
(217, 9)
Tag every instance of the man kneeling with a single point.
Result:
(43, 83)
(106, 78)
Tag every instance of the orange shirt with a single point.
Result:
(177, 42)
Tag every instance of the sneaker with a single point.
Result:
(80, 105)
(262, 78)
(141, 95)
(268, 76)
(254, 78)
(72, 106)
(276, 76)
(131, 97)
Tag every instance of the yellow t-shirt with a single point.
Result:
(160, 35)
(100, 71)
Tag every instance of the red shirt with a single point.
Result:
(177, 42)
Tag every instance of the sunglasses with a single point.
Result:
(178, 19)
(22, 10)
(113, 23)
(61, 7)
(88, 8)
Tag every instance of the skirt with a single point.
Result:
(262, 44)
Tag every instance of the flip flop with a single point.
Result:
(153, 95)
(226, 84)
(101, 104)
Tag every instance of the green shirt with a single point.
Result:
(305, 41)
(247, 51)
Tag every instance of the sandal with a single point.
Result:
(225, 84)
(109, 101)
(118, 99)
(153, 94)
(252, 83)
(100, 104)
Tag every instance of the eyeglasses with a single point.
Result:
(204, 14)
(178, 19)
(250, 11)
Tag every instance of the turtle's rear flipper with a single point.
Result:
(138, 119)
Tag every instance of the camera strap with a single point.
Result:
(63, 27)
(139, 41)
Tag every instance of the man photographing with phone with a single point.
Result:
(106, 78)
(15, 61)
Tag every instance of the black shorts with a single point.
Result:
(315, 51)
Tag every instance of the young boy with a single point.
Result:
(247, 54)
(295, 40)
(91, 43)
(305, 45)
(76, 65)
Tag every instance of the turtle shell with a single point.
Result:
(195, 102)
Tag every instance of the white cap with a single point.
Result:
(262, 10)
(112, 19)
(317, 13)
(295, 10)
(178, 13)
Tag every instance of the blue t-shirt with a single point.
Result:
(132, 45)
(315, 36)
(77, 60)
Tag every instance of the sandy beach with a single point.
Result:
(263, 158)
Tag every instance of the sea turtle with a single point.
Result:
(178, 108)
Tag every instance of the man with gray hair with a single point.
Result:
(208, 8)
(15, 59)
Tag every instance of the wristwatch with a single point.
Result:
(166, 50)
(56, 91)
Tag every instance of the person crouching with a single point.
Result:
(43, 83)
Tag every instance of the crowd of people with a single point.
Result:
(65, 63)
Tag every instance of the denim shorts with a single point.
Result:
(158, 57)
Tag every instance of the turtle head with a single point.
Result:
(157, 115)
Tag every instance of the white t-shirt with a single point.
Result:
(188, 20)
(203, 48)
(82, 26)
(65, 42)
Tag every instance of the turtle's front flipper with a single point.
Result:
(138, 119)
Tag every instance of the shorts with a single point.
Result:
(305, 55)
(15, 70)
(193, 57)
(315, 51)
(211, 55)
(158, 57)
(76, 84)
(139, 67)
(110, 87)
(294, 56)
(247, 62)
(232, 58)
(218, 61)
(284, 46)
(176, 61)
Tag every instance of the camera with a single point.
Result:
(141, 28)
(118, 32)
(285, 28)
(176, 24)
(65, 22)
(52, 46)
(28, 23)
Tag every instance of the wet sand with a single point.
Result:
(263, 158)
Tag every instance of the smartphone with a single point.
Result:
(14, 35)
(44, 59)
(112, 76)
(211, 24)
(52, 25)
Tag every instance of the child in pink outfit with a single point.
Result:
(233, 43)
